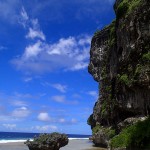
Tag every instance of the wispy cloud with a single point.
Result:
(60, 87)
(45, 128)
(19, 103)
(24, 14)
(32, 25)
(62, 99)
(93, 94)
(10, 126)
(18, 95)
(68, 54)
(69, 122)
(23, 18)
(21, 112)
(8, 118)
(59, 98)
(27, 79)
(33, 33)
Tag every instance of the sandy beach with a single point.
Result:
(73, 145)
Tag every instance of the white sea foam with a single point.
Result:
(13, 141)
(16, 141)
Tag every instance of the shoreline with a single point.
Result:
(74, 144)
(24, 140)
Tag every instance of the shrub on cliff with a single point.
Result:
(51, 141)
(126, 7)
(137, 136)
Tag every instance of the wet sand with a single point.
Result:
(73, 145)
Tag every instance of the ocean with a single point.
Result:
(6, 137)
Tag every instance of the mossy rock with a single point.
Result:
(102, 135)
(137, 136)
(126, 7)
(53, 141)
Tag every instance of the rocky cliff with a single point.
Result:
(120, 63)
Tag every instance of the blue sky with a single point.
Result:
(44, 54)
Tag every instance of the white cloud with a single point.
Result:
(64, 121)
(93, 94)
(27, 79)
(23, 18)
(17, 95)
(46, 128)
(7, 118)
(63, 46)
(21, 112)
(9, 126)
(73, 121)
(35, 34)
(59, 98)
(62, 99)
(60, 87)
(19, 103)
(24, 14)
(43, 116)
(32, 25)
(67, 54)
(33, 50)
(70, 53)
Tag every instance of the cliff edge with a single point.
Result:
(120, 63)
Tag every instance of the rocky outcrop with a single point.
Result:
(53, 141)
(120, 63)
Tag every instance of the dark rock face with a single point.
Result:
(51, 141)
(118, 62)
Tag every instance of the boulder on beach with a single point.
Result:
(53, 141)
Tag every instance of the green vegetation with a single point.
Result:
(110, 133)
(138, 70)
(137, 136)
(104, 108)
(96, 129)
(122, 8)
(124, 79)
(103, 73)
(97, 32)
(112, 35)
(146, 56)
(126, 7)
(108, 88)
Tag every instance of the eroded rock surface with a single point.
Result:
(120, 63)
